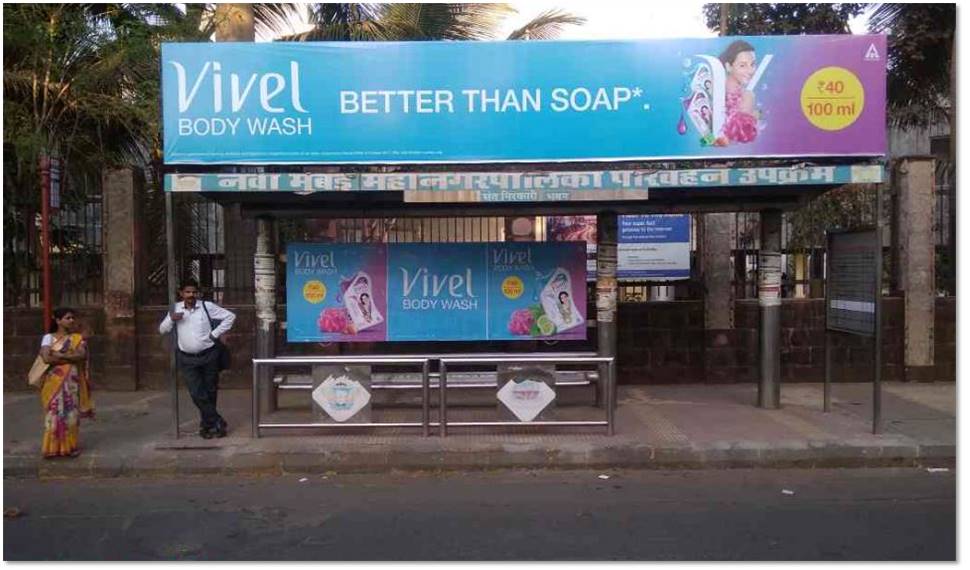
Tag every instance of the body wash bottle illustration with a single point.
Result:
(359, 301)
(557, 301)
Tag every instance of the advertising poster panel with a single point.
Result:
(575, 228)
(467, 102)
(336, 292)
(438, 291)
(537, 290)
(435, 291)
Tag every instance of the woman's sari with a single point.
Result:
(66, 397)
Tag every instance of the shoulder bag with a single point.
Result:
(225, 357)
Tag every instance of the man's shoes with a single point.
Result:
(221, 428)
(206, 433)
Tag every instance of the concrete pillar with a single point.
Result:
(769, 299)
(917, 256)
(264, 263)
(606, 292)
(715, 238)
(120, 210)
(716, 233)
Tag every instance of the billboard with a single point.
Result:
(439, 291)
(466, 102)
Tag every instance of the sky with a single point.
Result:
(612, 19)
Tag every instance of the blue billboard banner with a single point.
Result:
(437, 292)
(654, 247)
(466, 102)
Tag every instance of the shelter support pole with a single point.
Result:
(606, 293)
(769, 299)
(172, 285)
(914, 179)
(877, 337)
(264, 264)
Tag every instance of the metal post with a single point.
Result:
(827, 387)
(769, 298)
(170, 292)
(255, 414)
(605, 296)
(45, 238)
(611, 404)
(443, 399)
(425, 397)
(877, 337)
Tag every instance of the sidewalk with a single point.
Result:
(692, 426)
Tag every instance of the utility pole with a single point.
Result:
(45, 237)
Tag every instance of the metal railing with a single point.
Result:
(610, 398)
(424, 362)
(360, 360)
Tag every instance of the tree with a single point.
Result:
(921, 60)
(783, 19)
(922, 89)
(80, 82)
(415, 22)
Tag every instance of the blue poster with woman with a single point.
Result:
(537, 290)
(336, 292)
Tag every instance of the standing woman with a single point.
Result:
(65, 393)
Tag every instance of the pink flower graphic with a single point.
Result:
(741, 127)
(521, 321)
(335, 320)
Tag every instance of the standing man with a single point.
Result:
(198, 355)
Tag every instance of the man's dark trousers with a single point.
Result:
(201, 373)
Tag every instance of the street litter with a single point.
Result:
(304, 480)
(787, 492)
(937, 469)
(604, 476)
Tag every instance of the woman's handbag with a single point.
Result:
(225, 357)
(37, 371)
(39, 368)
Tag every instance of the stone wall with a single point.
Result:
(659, 343)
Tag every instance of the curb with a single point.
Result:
(191, 463)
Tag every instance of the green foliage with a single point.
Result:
(418, 22)
(847, 207)
(782, 19)
(920, 60)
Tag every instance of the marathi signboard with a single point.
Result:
(519, 186)
(455, 291)
(654, 247)
(439, 102)
(851, 282)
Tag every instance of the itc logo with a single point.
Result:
(271, 87)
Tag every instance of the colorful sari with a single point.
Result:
(66, 398)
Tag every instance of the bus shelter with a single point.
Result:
(416, 130)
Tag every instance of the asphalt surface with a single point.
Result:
(811, 514)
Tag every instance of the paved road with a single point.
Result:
(863, 514)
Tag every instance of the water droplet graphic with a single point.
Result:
(682, 125)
